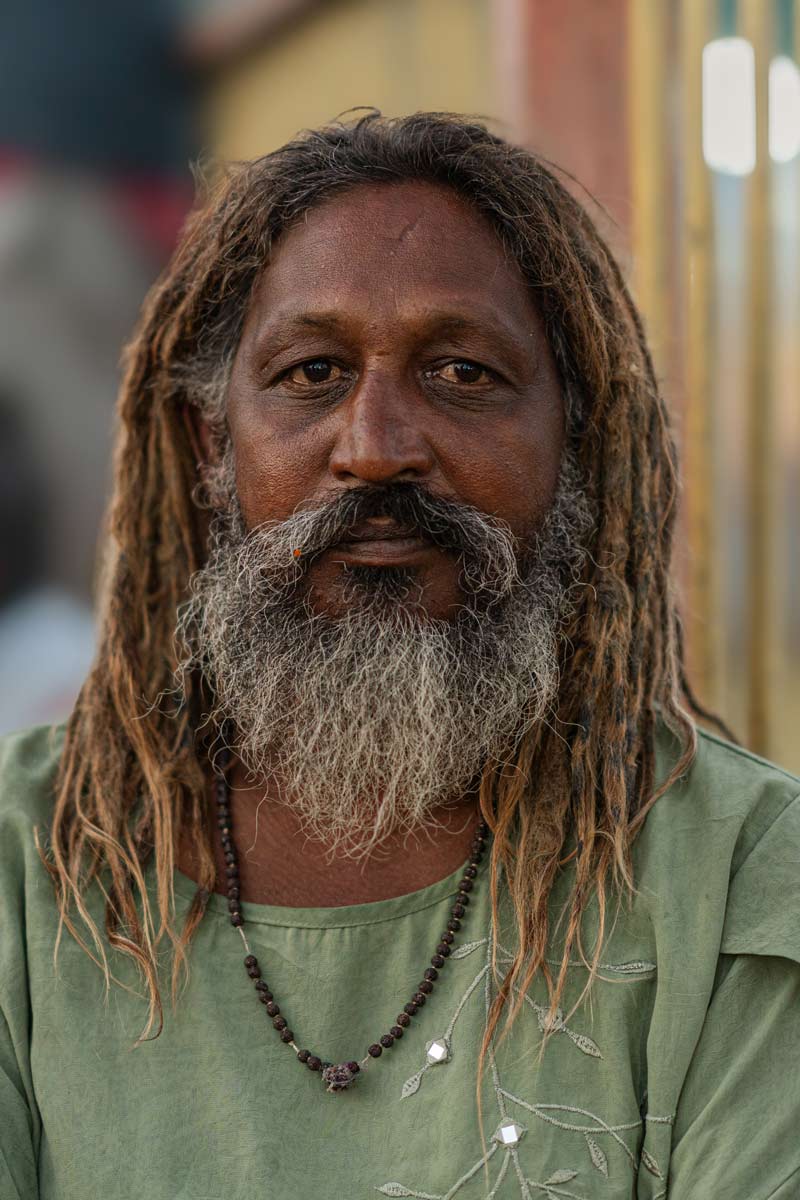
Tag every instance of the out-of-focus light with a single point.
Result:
(784, 109)
(729, 106)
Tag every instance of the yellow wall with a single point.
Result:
(398, 55)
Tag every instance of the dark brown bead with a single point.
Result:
(233, 891)
(462, 898)
(304, 1055)
(231, 871)
(426, 986)
(431, 974)
(396, 1032)
(279, 1023)
(225, 828)
(410, 1008)
(470, 872)
(419, 999)
(230, 858)
(234, 905)
(476, 862)
(458, 910)
(227, 841)
(454, 925)
(236, 919)
(313, 1063)
(266, 996)
(387, 1040)
(251, 961)
(437, 960)
(403, 1019)
(466, 884)
(353, 1066)
(375, 1051)
(447, 937)
(286, 1035)
(254, 972)
(273, 1009)
(443, 949)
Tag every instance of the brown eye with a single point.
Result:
(462, 372)
(318, 370)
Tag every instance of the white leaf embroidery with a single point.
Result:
(585, 1044)
(560, 1177)
(467, 948)
(411, 1085)
(651, 1164)
(597, 1156)
(394, 1189)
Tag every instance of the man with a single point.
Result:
(390, 711)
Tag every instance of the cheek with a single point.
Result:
(274, 474)
(513, 474)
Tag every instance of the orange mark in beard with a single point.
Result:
(296, 553)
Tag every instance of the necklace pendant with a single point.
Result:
(339, 1076)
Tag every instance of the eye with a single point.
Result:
(462, 371)
(315, 371)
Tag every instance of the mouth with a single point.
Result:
(381, 542)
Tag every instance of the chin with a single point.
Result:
(386, 590)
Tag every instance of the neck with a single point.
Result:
(279, 865)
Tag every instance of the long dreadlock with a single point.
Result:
(130, 781)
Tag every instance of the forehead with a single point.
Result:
(395, 249)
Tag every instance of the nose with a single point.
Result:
(381, 438)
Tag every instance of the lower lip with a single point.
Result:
(379, 552)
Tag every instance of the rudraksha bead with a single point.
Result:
(375, 1051)
(458, 910)
(265, 997)
(287, 1035)
(426, 986)
(447, 937)
(279, 1023)
(431, 974)
(466, 884)
(273, 1009)
(387, 1040)
(403, 1019)
(419, 998)
(470, 872)
(313, 1063)
(410, 1008)
(303, 1055)
(453, 925)
(443, 949)
(396, 1032)
(438, 959)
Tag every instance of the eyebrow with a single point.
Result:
(437, 322)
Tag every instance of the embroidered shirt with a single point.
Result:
(680, 1077)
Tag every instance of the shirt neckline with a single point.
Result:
(374, 912)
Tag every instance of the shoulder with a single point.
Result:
(28, 765)
(728, 832)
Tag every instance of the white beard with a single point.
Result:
(369, 721)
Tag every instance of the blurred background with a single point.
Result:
(680, 119)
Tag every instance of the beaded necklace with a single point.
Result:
(338, 1076)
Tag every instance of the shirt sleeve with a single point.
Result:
(19, 1118)
(739, 1110)
(18, 1170)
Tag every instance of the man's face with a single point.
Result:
(390, 340)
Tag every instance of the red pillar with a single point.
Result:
(562, 72)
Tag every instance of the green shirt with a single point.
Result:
(680, 1078)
